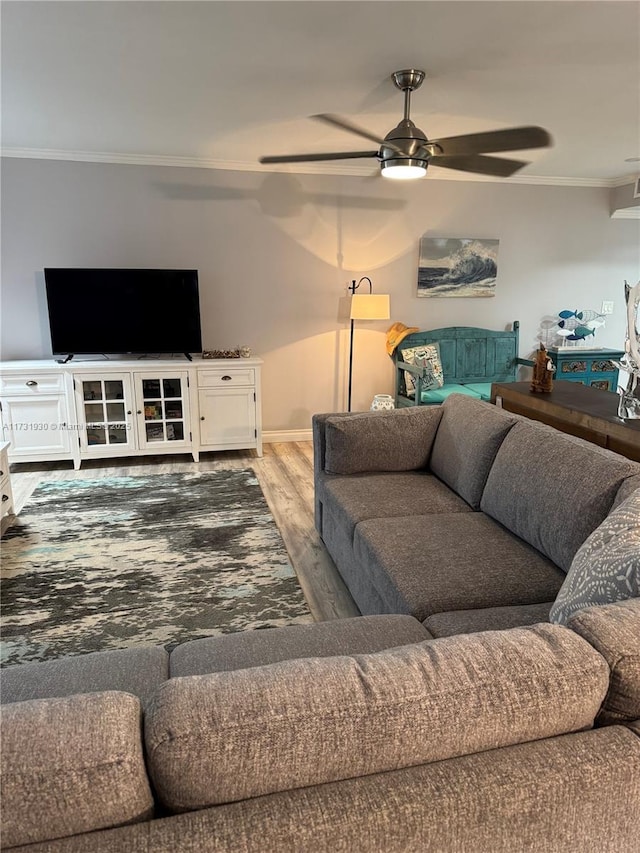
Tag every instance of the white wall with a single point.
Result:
(275, 254)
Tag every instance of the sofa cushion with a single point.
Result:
(456, 561)
(135, 670)
(576, 792)
(400, 440)
(486, 619)
(359, 635)
(466, 444)
(228, 736)
(614, 630)
(552, 491)
(71, 765)
(439, 395)
(425, 355)
(355, 499)
(481, 388)
(607, 566)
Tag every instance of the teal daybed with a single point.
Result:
(472, 359)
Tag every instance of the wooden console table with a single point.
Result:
(575, 409)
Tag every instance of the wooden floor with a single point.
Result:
(285, 473)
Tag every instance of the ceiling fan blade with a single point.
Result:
(512, 139)
(308, 158)
(349, 126)
(497, 166)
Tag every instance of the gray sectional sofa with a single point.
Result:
(359, 735)
(454, 718)
(463, 515)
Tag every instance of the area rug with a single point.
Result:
(126, 561)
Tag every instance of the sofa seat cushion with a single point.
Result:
(364, 496)
(457, 561)
(139, 671)
(399, 440)
(71, 765)
(607, 566)
(552, 493)
(439, 395)
(244, 649)
(487, 619)
(482, 389)
(614, 630)
(468, 439)
(229, 736)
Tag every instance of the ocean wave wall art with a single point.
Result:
(452, 266)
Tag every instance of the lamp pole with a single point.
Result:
(353, 287)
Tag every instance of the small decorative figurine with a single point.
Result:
(543, 368)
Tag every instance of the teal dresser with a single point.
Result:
(593, 367)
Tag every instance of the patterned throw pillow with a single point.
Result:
(606, 568)
(428, 356)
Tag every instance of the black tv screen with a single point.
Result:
(115, 311)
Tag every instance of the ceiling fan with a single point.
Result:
(405, 152)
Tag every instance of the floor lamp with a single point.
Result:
(366, 306)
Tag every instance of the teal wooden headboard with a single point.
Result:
(469, 356)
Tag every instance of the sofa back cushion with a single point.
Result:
(551, 490)
(399, 440)
(229, 736)
(466, 444)
(614, 630)
(71, 765)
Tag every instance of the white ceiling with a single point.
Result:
(221, 83)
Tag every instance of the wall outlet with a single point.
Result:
(607, 308)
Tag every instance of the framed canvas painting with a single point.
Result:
(452, 266)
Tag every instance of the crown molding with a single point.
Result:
(321, 168)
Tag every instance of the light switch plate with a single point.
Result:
(607, 308)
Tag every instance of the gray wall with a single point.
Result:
(276, 253)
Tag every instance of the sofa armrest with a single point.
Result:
(399, 440)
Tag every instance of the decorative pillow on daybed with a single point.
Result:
(606, 568)
(428, 356)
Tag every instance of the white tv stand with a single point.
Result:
(99, 409)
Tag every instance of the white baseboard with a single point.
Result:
(273, 436)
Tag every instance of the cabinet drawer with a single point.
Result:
(226, 377)
(36, 383)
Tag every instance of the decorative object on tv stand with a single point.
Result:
(451, 266)
(222, 353)
(382, 403)
(576, 326)
(367, 306)
(629, 403)
(543, 368)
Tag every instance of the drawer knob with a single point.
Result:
(201, 417)
(226, 378)
(5, 498)
(31, 383)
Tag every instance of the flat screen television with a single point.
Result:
(123, 311)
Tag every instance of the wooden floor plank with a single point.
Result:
(285, 473)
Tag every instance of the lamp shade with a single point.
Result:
(370, 306)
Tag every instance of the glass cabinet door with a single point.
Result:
(105, 408)
(162, 408)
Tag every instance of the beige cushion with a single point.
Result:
(614, 630)
(400, 440)
(228, 736)
(424, 355)
(71, 765)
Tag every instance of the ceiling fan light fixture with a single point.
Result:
(405, 171)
